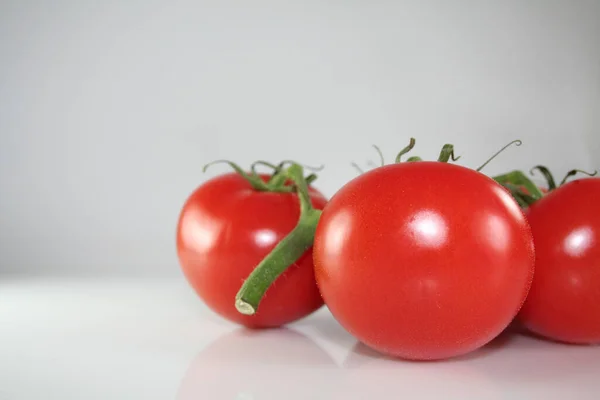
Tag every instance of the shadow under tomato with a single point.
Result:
(536, 336)
(364, 352)
(257, 364)
(327, 327)
(532, 359)
(369, 373)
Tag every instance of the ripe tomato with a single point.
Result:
(423, 260)
(225, 229)
(564, 301)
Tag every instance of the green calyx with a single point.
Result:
(277, 182)
(287, 252)
(446, 155)
(525, 192)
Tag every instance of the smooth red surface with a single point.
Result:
(423, 260)
(564, 301)
(225, 229)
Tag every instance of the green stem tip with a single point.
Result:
(516, 142)
(574, 172)
(547, 175)
(405, 150)
(447, 153)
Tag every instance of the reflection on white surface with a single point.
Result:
(429, 228)
(246, 364)
(579, 241)
(150, 340)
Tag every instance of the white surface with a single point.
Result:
(109, 109)
(110, 339)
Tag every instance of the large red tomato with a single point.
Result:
(423, 260)
(225, 229)
(564, 301)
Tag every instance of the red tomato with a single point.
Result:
(564, 301)
(423, 260)
(225, 229)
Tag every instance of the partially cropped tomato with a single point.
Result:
(423, 260)
(564, 301)
(225, 229)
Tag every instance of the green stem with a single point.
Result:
(287, 252)
(523, 199)
(574, 172)
(381, 158)
(253, 179)
(516, 142)
(519, 178)
(278, 179)
(310, 179)
(547, 175)
(405, 150)
(447, 153)
(359, 169)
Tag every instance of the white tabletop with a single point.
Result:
(153, 339)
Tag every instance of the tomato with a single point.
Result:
(225, 229)
(564, 301)
(423, 260)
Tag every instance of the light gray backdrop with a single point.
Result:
(108, 110)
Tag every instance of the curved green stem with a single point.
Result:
(310, 179)
(405, 150)
(381, 158)
(524, 200)
(253, 179)
(359, 169)
(547, 175)
(287, 252)
(279, 178)
(516, 142)
(447, 153)
(414, 158)
(575, 172)
(263, 163)
(518, 178)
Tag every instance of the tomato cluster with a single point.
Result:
(420, 260)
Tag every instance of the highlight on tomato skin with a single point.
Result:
(564, 301)
(225, 228)
(423, 260)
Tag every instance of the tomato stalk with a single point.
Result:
(446, 154)
(276, 183)
(287, 251)
(525, 192)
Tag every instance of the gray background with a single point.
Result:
(108, 110)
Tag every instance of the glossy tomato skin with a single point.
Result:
(225, 229)
(564, 301)
(423, 260)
